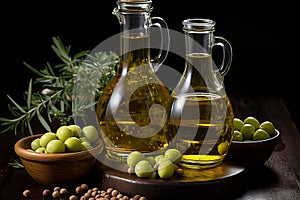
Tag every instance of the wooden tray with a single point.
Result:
(223, 181)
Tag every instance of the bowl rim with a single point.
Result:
(276, 137)
(42, 157)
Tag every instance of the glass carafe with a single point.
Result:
(201, 119)
(133, 109)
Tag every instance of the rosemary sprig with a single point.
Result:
(16, 164)
(54, 100)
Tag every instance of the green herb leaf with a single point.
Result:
(53, 97)
(29, 94)
(16, 164)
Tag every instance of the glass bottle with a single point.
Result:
(201, 119)
(133, 109)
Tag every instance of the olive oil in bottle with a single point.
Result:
(203, 126)
(133, 109)
(201, 116)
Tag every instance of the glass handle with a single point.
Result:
(227, 54)
(164, 42)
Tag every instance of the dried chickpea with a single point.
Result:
(46, 192)
(26, 193)
(79, 190)
(114, 193)
(136, 197)
(94, 193)
(179, 171)
(63, 191)
(73, 197)
(56, 194)
(109, 190)
(84, 186)
(131, 170)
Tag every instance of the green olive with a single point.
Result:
(173, 155)
(166, 169)
(35, 144)
(73, 144)
(158, 157)
(163, 159)
(143, 169)
(85, 145)
(247, 130)
(151, 160)
(64, 132)
(152, 175)
(260, 134)
(91, 133)
(237, 123)
(76, 130)
(223, 147)
(41, 150)
(253, 121)
(46, 138)
(134, 157)
(55, 146)
(269, 127)
(237, 136)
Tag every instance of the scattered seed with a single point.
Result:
(79, 190)
(179, 171)
(26, 193)
(56, 194)
(125, 197)
(114, 193)
(136, 197)
(109, 190)
(46, 192)
(63, 191)
(131, 170)
(73, 197)
(89, 194)
(84, 186)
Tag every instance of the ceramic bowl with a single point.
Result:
(59, 168)
(253, 154)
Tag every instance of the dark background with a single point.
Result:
(263, 37)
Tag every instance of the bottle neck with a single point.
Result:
(134, 19)
(199, 37)
(199, 75)
(199, 42)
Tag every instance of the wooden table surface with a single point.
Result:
(279, 179)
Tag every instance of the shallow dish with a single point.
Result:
(252, 154)
(55, 169)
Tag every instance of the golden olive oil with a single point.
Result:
(133, 109)
(202, 126)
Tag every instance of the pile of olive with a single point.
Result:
(69, 138)
(161, 166)
(250, 129)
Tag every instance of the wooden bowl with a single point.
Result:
(252, 154)
(56, 169)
